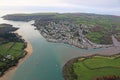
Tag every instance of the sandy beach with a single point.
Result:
(11, 71)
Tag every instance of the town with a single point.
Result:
(67, 32)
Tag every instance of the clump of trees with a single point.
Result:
(68, 71)
(110, 77)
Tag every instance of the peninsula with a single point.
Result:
(12, 49)
(95, 67)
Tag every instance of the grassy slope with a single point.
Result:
(92, 67)
(95, 37)
(11, 48)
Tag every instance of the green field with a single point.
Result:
(95, 37)
(92, 67)
(12, 48)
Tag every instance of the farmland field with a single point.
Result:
(91, 67)
(14, 49)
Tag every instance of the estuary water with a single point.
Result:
(47, 58)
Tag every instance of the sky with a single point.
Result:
(111, 7)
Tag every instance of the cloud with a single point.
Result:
(62, 3)
(87, 6)
(29, 2)
(95, 3)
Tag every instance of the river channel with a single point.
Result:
(47, 58)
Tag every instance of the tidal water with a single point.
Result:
(47, 58)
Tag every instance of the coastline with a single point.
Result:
(108, 52)
(7, 75)
(91, 45)
(70, 63)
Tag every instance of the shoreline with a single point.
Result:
(73, 60)
(8, 74)
(90, 46)
(108, 52)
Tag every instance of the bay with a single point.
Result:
(47, 58)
